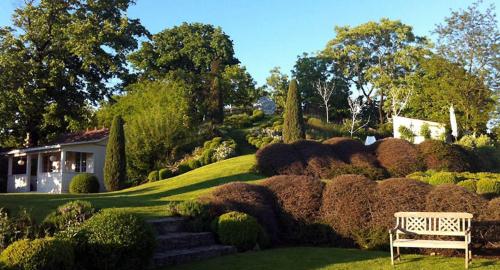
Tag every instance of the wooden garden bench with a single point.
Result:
(431, 223)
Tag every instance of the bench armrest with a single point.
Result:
(394, 230)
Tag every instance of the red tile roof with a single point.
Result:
(82, 136)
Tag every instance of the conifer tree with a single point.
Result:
(115, 168)
(293, 125)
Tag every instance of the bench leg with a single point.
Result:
(398, 254)
(467, 257)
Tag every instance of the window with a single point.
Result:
(76, 161)
(19, 165)
(51, 162)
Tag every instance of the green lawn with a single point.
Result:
(302, 258)
(149, 199)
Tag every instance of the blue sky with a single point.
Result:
(269, 33)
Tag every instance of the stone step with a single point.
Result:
(167, 225)
(183, 240)
(179, 256)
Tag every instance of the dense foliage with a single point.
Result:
(115, 165)
(68, 215)
(84, 183)
(293, 121)
(240, 230)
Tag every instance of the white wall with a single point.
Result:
(415, 125)
(18, 183)
(49, 182)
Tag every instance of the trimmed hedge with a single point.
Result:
(39, 254)
(279, 158)
(153, 176)
(352, 151)
(240, 230)
(84, 183)
(164, 174)
(319, 158)
(469, 184)
(397, 156)
(453, 198)
(440, 178)
(255, 200)
(440, 156)
(299, 202)
(488, 186)
(372, 173)
(113, 239)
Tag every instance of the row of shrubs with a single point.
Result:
(76, 236)
(244, 120)
(483, 183)
(347, 211)
(387, 157)
(213, 150)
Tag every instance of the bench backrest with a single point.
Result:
(434, 223)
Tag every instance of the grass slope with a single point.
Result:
(149, 199)
(305, 258)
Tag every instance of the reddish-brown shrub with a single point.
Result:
(493, 210)
(299, 201)
(352, 151)
(255, 200)
(319, 158)
(347, 202)
(398, 194)
(279, 158)
(397, 156)
(373, 173)
(453, 198)
(438, 155)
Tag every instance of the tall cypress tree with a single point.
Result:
(293, 125)
(115, 170)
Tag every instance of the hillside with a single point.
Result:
(148, 199)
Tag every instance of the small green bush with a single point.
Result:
(84, 183)
(257, 115)
(440, 178)
(238, 229)
(183, 167)
(468, 184)
(197, 214)
(425, 131)
(420, 176)
(153, 176)
(114, 239)
(165, 173)
(194, 164)
(371, 238)
(488, 186)
(406, 134)
(69, 214)
(39, 254)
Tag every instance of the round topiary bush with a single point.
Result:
(352, 151)
(453, 198)
(238, 229)
(398, 194)
(319, 158)
(299, 202)
(488, 186)
(372, 173)
(153, 176)
(279, 158)
(347, 202)
(84, 183)
(165, 173)
(440, 178)
(469, 184)
(397, 156)
(255, 200)
(438, 155)
(39, 254)
(117, 240)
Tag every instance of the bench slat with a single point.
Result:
(429, 243)
(434, 214)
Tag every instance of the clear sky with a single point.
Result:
(269, 33)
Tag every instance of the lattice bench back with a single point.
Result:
(434, 223)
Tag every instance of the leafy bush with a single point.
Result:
(372, 173)
(70, 214)
(183, 167)
(116, 240)
(398, 194)
(257, 115)
(469, 184)
(420, 176)
(453, 198)
(255, 200)
(440, 156)
(84, 183)
(194, 164)
(371, 238)
(279, 158)
(352, 151)
(299, 202)
(425, 131)
(164, 174)
(225, 150)
(238, 120)
(39, 254)
(488, 186)
(440, 178)
(238, 229)
(197, 214)
(153, 176)
(263, 136)
(397, 156)
(318, 157)
(406, 134)
(494, 209)
(16, 227)
(346, 204)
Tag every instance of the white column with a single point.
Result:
(39, 167)
(28, 166)
(63, 160)
(10, 165)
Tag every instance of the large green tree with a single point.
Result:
(200, 52)
(240, 87)
(115, 165)
(277, 84)
(375, 56)
(58, 58)
(293, 120)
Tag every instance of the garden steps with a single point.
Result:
(176, 245)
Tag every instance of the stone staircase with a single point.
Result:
(176, 246)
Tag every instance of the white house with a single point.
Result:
(415, 125)
(50, 168)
